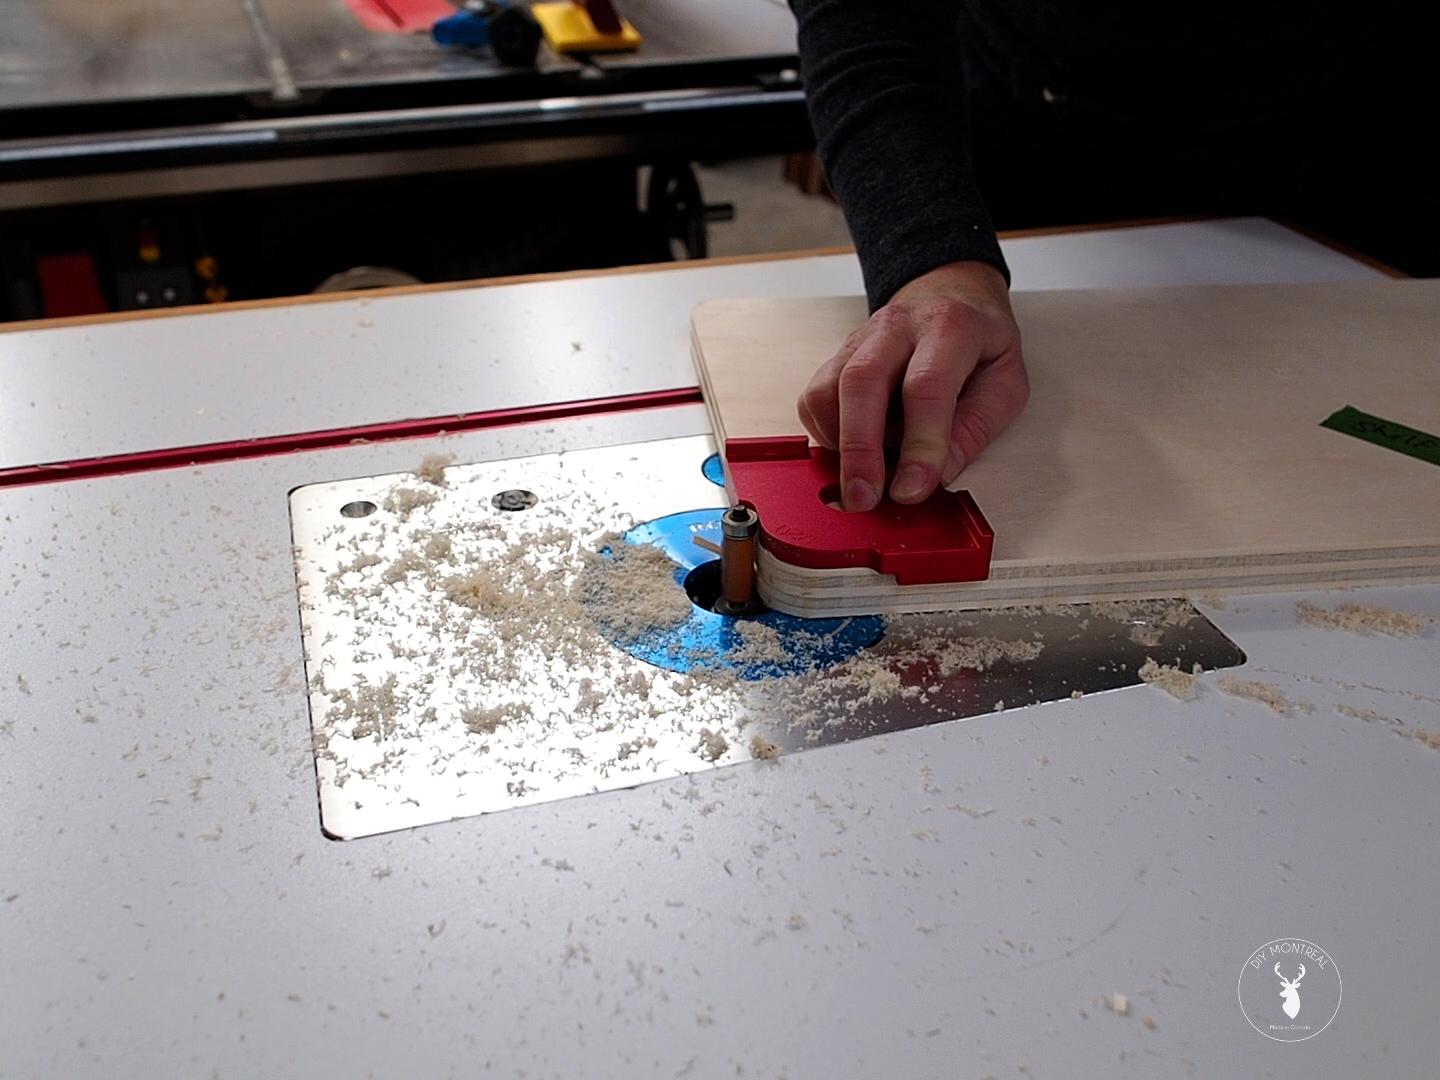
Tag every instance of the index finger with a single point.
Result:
(866, 383)
(944, 358)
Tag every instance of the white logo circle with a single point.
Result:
(1289, 990)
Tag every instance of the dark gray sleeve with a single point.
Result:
(886, 94)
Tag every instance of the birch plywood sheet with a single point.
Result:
(1172, 442)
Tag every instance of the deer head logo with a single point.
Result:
(1290, 991)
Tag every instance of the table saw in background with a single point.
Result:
(270, 138)
(1070, 885)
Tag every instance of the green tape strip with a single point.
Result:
(1386, 433)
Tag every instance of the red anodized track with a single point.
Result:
(271, 445)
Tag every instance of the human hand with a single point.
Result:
(949, 342)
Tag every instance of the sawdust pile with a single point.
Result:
(1362, 619)
(758, 644)
(410, 562)
(432, 468)
(1156, 613)
(1159, 613)
(631, 591)
(485, 590)
(1175, 682)
(483, 623)
(372, 711)
(1263, 692)
(474, 651)
(951, 655)
(919, 665)
(486, 637)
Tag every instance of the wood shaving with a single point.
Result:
(1145, 613)
(762, 749)
(980, 653)
(484, 591)
(486, 721)
(357, 564)
(759, 644)
(713, 745)
(405, 501)
(1370, 716)
(411, 562)
(1148, 636)
(1254, 690)
(1175, 682)
(1430, 739)
(432, 468)
(634, 746)
(1362, 619)
(372, 711)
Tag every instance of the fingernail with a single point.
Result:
(860, 496)
(954, 466)
(909, 485)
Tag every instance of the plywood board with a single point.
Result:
(1172, 442)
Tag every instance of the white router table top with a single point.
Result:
(91, 389)
(948, 901)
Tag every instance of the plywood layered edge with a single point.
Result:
(1172, 447)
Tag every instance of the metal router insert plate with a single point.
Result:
(389, 681)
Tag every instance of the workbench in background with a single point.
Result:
(285, 143)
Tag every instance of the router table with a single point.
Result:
(1067, 889)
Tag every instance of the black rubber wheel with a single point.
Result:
(677, 209)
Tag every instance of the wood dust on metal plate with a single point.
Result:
(1175, 682)
(1362, 619)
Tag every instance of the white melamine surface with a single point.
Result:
(950, 901)
(88, 391)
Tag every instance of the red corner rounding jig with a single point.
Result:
(791, 486)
